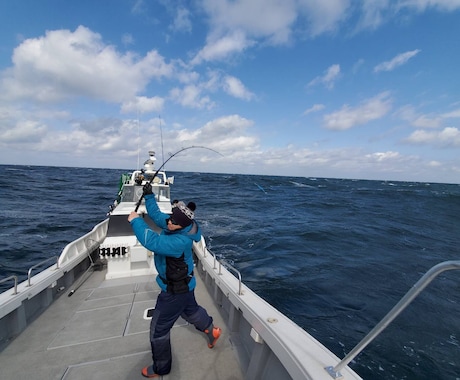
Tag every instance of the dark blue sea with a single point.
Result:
(335, 255)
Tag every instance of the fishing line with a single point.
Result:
(164, 163)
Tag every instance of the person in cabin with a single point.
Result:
(174, 262)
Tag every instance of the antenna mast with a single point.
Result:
(138, 148)
(161, 134)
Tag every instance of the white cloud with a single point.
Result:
(422, 5)
(236, 25)
(324, 16)
(409, 114)
(90, 139)
(191, 96)
(64, 64)
(314, 108)
(276, 21)
(79, 137)
(348, 117)
(220, 48)
(227, 134)
(424, 121)
(182, 21)
(397, 61)
(267, 19)
(383, 156)
(373, 14)
(24, 131)
(127, 39)
(448, 137)
(453, 114)
(143, 104)
(194, 93)
(230, 135)
(138, 7)
(434, 164)
(234, 87)
(329, 77)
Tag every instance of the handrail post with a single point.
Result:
(91, 248)
(214, 266)
(226, 264)
(393, 313)
(29, 273)
(15, 282)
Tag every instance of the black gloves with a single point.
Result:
(147, 189)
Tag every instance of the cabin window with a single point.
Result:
(133, 193)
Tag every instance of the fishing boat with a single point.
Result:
(86, 313)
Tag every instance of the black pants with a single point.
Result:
(168, 309)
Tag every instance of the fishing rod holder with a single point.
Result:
(419, 286)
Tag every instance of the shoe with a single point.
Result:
(148, 372)
(213, 336)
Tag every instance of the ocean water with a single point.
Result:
(334, 255)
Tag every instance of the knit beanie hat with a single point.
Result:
(181, 214)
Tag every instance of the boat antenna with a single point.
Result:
(138, 148)
(161, 134)
(164, 163)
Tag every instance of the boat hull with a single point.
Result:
(263, 342)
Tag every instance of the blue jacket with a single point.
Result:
(167, 246)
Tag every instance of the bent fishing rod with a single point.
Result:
(164, 163)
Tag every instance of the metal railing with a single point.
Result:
(226, 264)
(15, 282)
(91, 248)
(29, 273)
(393, 313)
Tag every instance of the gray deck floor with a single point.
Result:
(100, 333)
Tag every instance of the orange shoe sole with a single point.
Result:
(145, 373)
(216, 334)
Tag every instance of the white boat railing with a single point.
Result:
(421, 284)
(74, 251)
(43, 286)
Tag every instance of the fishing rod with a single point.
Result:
(164, 163)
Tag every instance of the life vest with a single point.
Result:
(177, 277)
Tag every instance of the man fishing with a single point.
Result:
(174, 262)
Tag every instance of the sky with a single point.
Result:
(360, 89)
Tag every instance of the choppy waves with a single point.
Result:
(334, 255)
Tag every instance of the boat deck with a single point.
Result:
(100, 332)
